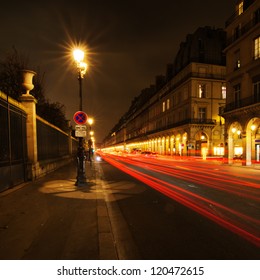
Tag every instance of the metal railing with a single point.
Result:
(244, 29)
(172, 126)
(251, 100)
(51, 142)
(13, 149)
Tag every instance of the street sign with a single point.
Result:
(80, 130)
(80, 117)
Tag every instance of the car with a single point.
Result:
(149, 154)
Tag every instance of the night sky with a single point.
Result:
(128, 43)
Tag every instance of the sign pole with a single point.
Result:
(81, 118)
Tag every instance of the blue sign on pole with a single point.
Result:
(80, 117)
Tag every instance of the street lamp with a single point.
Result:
(90, 121)
(81, 68)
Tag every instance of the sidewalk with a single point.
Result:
(53, 210)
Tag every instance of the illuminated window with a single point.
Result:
(224, 92)
(257, 48)
(218, 151)
(163, 107)
(202, 91)
(240, 7)
(238, 151)
(237, 59)
(168, 104)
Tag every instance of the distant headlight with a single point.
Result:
(98, 158)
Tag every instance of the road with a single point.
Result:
(210, 210)
(153, 212)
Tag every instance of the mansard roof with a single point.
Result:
(205, 45)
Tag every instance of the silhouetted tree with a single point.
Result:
(53, 113)
(11, 84)
(10, 73)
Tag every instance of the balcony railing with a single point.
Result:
(241, 103)
(244, 29)
(172, 126)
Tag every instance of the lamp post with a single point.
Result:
(90, 143)
(81, 155)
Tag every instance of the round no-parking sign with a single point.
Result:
(80, 117)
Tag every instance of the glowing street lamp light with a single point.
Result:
(90, 121)
(253, 127)
(78, 55)
(82, 69)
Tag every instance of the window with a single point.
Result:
(202, 91)
(257, 16)
(256, 87)
(237, 59)
(223, 92)
(240, 8)
(202, 114)
(163, 106)
(185, 93)
(257, 48)
(180, 115)
(168, 104)
(237, 32)
(237, 95)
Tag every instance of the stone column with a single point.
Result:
(29, 102)
(230, 150)
(246, 144)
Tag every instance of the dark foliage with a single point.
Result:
(11, 84)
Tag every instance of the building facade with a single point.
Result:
(179, 115)
(242, 110)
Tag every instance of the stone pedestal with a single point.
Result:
(29, 102)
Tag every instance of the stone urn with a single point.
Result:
(27, 83)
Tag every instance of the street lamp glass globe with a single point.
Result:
(78, 55)
(90, 121)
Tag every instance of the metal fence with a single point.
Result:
(13, 150)
(75, 144)
(51, 142)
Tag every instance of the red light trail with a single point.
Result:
(227, 198)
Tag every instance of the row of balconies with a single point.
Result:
(243, 30)
(241, 103)
(138, 133)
